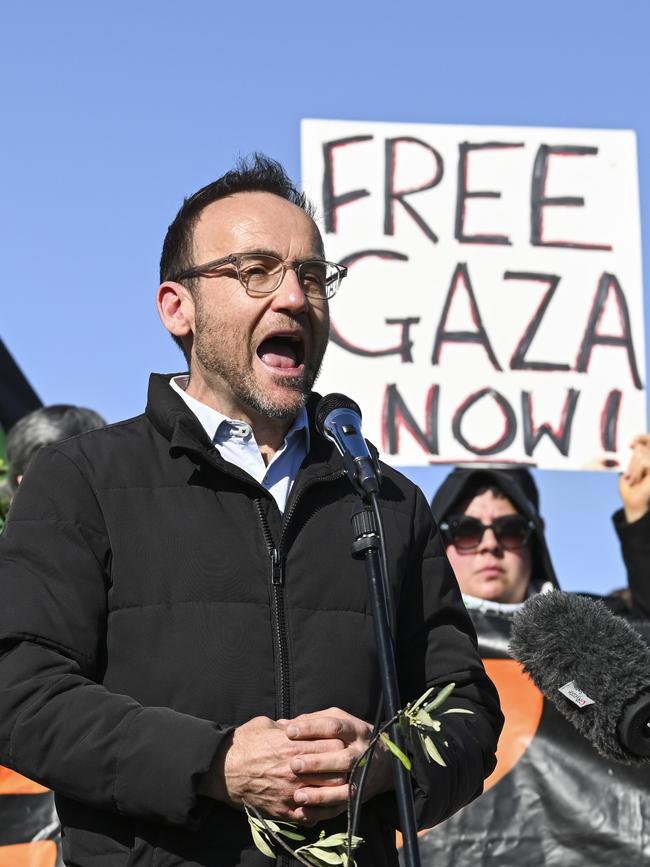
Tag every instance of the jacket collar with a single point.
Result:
(173, 420)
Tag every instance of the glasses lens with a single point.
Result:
(512, 531)
(259, 273)
(319, 279)
(466, 533)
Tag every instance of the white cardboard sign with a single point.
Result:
(493, 309)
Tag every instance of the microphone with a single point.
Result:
(593, 666)
(338, 419)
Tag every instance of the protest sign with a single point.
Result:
(493, 309)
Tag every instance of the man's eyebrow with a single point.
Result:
(268, 252)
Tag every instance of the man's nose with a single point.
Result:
(289, 295)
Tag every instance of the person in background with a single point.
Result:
(632, 525)
(551, 799)
(494, 535)
(29, 827)
(42, 427)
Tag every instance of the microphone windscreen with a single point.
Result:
(564, 639)
(331, 402)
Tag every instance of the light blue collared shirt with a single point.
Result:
(236, 443)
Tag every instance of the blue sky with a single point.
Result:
(111, 113)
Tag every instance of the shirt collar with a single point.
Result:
(477, 604)
(219, 426)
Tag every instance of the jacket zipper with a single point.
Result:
(283, 699)
(276, 557)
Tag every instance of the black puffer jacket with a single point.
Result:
(156, 599)
(552, 800)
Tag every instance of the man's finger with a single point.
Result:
(321, 796)
(324, 763)
(320, 727)
(632, 473)
(313, 780)
(346, 728)
(310, 816)
(640, 440)
(306, 745)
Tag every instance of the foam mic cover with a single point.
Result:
(593, 666)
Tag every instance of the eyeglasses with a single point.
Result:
(465, 533)
(262, 273)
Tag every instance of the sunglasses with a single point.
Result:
(465, 533)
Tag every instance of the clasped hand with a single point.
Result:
(297, 770)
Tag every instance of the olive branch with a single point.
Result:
(417, 722)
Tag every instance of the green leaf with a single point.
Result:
(442, 696)
(321, 854)
(417, 704)
(432, 750)
(427, 720)
(322, 851)
(287, 824)
(339, 839)
(333, 840)
(263, 825)
(292, 835)
(261, 843)
(288, 829)
(395, 750)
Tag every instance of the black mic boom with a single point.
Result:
(338, 419)
(593, 666)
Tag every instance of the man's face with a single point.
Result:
(489, 571)
(258, 355)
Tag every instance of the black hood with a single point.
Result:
(519, 487)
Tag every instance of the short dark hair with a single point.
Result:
(480, 488)
(43, 426)
(254, 174)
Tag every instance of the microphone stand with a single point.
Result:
(366, 546)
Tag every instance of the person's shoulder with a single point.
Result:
(400, 491)
(107, 452)
(397, 478)
(102, 438)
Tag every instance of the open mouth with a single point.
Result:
(284, 351)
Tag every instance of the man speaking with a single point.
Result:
(183, 628)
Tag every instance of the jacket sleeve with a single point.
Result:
(58, 724)
(635, 548)
(437, 646)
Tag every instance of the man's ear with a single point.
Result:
(176, 308)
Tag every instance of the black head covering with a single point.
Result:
(518, 485)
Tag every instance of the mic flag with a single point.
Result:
(593, 666)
